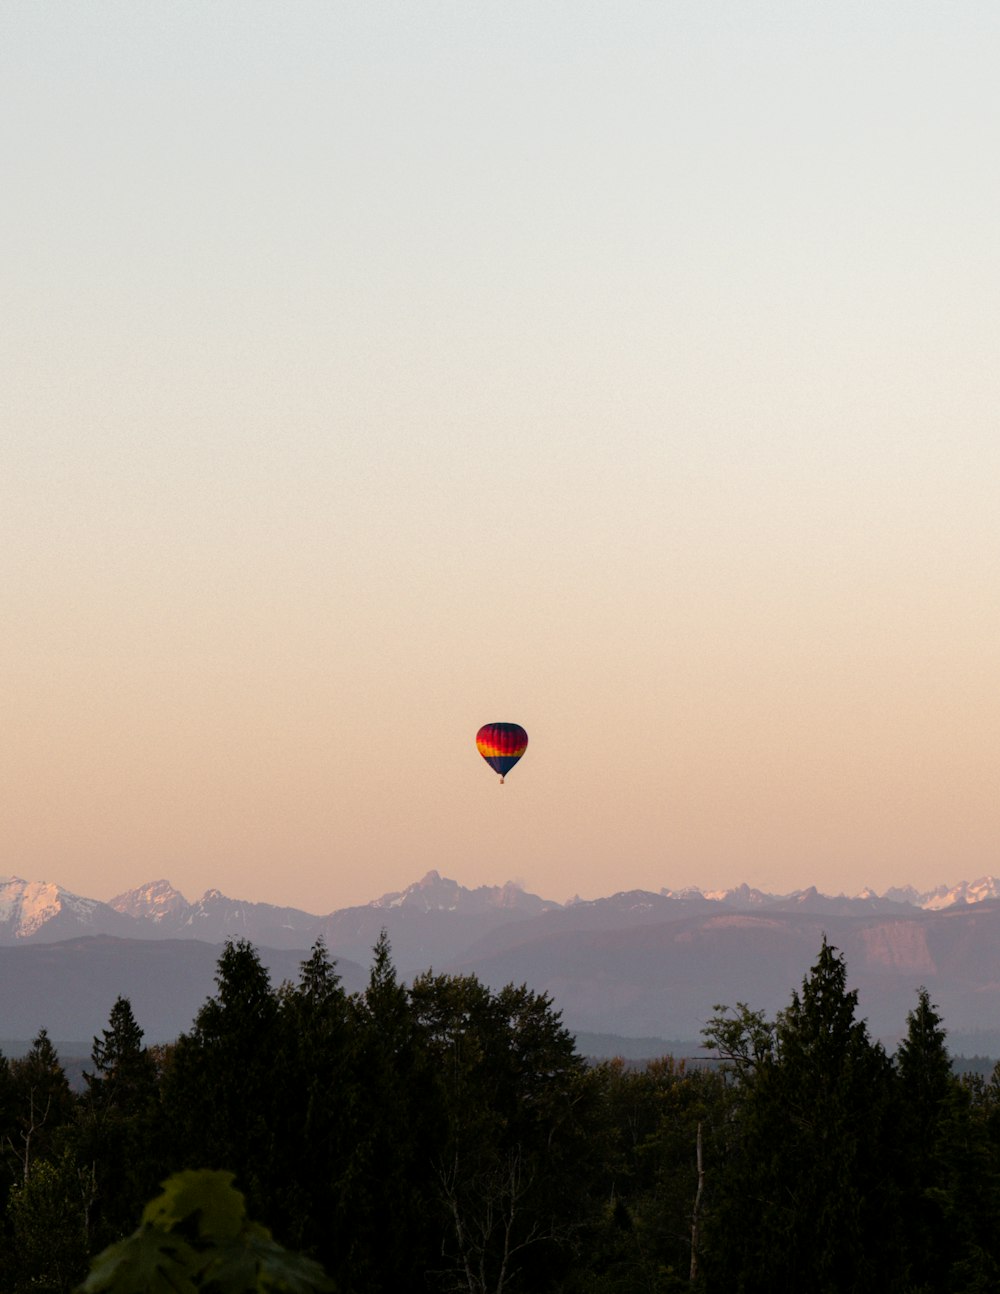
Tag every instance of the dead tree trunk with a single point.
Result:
(696, 1209)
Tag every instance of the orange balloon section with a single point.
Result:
(501, 745)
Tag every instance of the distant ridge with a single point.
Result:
(43, 911)
(636, 964)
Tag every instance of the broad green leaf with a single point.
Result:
(230, 1256)
(256, 1262)
(210, 1195)
(150, 1261)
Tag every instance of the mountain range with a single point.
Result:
(635, 964)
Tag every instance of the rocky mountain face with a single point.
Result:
(40, 911)
(157, 902)
(43, 912)
(636, 963)
(159, 911)
(429, 921)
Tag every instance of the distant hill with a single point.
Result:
(663, 979)
(69, 987)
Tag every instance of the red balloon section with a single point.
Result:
(501, 745)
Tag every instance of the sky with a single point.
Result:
(373, 371)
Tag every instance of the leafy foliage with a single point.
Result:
(47, 1219)
(743, 1038)
(512, 1090)
(196, 1235)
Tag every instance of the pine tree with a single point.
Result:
(41, 1105)
(115, 1132)
(123, 1078)
(945, 1176)
(221, 1091)
(397, 1120)
(315, 1128)
(976, 1204)
(807, 1202)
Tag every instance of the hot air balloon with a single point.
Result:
(501, 745)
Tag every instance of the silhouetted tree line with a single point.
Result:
(447, 1137)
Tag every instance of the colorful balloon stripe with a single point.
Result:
(502, 748)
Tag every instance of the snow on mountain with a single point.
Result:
(744, 897)
(156, 901)
(637, 962)
(44, 910)
(904, 894)
(216, 917)
(984, 890)
(437, 893)
(161, 912)
(25, 906)
(740, 896)
(981, 891)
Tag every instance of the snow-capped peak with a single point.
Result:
(26, 907)
(437, 893)
(155, 901)
(987, 887)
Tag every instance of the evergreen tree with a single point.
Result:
(316, 1132)
(924, 1066)
(390, 1241)
(41, 1106)
(123, 1070)
(221, 1092)
(976, 1205)
(946, 1173)
(116, 1126)
(808, 1199)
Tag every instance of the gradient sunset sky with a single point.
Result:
(375, 371)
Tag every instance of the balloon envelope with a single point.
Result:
(501, 745)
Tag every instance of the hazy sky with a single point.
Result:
(373, 371)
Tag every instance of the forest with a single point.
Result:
(443, 1136)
